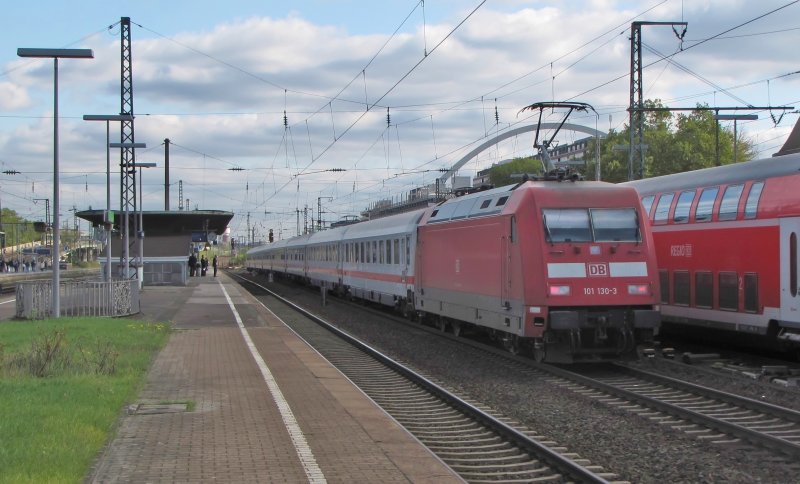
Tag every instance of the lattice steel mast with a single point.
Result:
(636, 127)
(127, 152)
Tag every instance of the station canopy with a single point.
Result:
(162, 223)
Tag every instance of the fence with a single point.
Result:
(78, 298)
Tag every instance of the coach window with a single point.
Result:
(663, 277)
(374, 251)
(751, 206)
(381, 245)
(397, 251)
(681, 215)
(389, 251)
(705, 206)
(662, 209)
(728, 291)
(680, 291)
(647, 204)
(730, 202)
(751, 293)
(703, 289)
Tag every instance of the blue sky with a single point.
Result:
(216, 77)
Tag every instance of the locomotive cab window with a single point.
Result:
(567, 225)
(591, 225)
(615, 225)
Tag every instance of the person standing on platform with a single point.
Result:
(214, 264)
(192, 263)
(203, 265)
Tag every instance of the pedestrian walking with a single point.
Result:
(214, 264)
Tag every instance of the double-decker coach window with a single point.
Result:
(751, 206)
(682, 207)
(615, 224)
(729, 291)
(647, 204)
(706, 204)
(730, 202)
(567, 224)
(662, 209)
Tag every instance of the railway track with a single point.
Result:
(714, 416)
(476, 443)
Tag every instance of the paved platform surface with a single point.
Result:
(302, 422)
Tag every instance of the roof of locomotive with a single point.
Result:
(504, 199)
(720, 175)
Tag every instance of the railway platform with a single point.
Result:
(235, 396)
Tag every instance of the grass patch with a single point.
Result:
(62, 385)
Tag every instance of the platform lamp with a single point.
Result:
(126, 229)
(55, 54)
(108, 221)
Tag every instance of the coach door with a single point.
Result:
(790, 269)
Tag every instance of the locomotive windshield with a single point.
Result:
(591, 225)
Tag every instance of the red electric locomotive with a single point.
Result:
(562, 269)
(727, 248)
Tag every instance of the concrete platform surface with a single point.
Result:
(212, 411)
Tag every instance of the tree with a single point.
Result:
(674, 144)
(500, 175)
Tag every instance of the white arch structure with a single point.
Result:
(514, 132)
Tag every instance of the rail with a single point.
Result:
(78, 298)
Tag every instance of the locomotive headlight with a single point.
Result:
(639, 289)
(559, 290)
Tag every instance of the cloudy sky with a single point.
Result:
(216, 78)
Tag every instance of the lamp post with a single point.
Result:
(734, 118)
(140, 233)
(126, 261)
(107, 221)
(55, 54)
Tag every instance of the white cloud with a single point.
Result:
(214, 92)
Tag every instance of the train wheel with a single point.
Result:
(456, 326)
(511, 344)
(539, 351)
(441, 324)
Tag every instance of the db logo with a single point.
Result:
(598, 270)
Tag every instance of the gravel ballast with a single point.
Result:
(634, 447)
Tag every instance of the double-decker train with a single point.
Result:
(561, 269)
(727, 247)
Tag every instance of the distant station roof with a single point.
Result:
(171, 222)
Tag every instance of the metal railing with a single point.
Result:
(78, 298)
